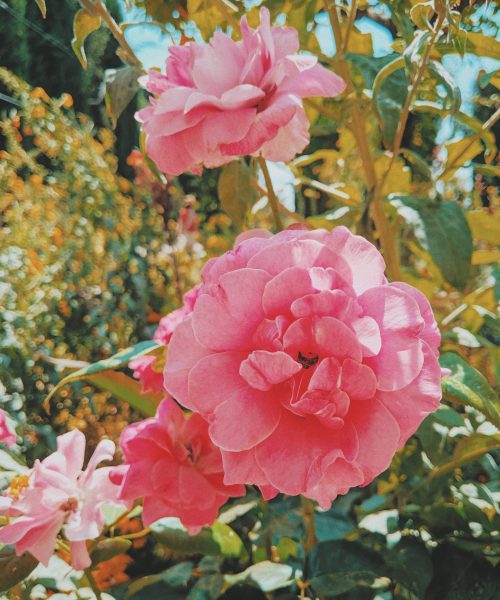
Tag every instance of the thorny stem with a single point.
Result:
(93, 584)
(273, 200)
(100, 7)
(308, 513)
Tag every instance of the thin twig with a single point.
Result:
(273, 200)
(117, 32)
(93, 583)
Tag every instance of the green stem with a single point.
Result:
(310, 539)
(93, 583)
(273, 200)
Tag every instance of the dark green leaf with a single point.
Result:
(207, 588)
(459, 575)
(218, 540)
(411, 565)
(14, 569)
(121, 87)
(109, 548)
(336, 567)
(178, 575)
(442, 230)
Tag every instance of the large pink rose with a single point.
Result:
(172, 463)
(311, 369)
(57, 495)
(226, 99)
(144, 367)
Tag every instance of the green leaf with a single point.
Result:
(128, 390)
(335, 567)
(411, 565)
(218, 540)
(103, 376)
(418, 163)
(267, 575)
(468, 449)
(453, 91)
(390, 88)
(43, 8)
(468, 386)
(421, 14)
(109, 548)
(474, 43)
(235, 190)
(208, 587)
(13, 569)
(460, 575)
(442, 230)
(121, 87)
(84, 24)
(383, 74)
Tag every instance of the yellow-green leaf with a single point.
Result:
(83, 25)
(484, 226)
(468, 449)
(459, 153)
(43, 8)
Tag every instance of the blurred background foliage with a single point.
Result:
(93, 251)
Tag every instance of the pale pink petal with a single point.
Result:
(358, 380)
(262, 369)
(233, 308)
(80, 558)
(184, 352)
(398, 316)
(410, 405)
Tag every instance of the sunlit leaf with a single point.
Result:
(267, 575)
(84, 24)
(485, 226)
(217, 540)
(468, 449)
(42, 6)
(468, 386)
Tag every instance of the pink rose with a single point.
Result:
(172, 463)
(7, 434)
(310, 368)
(226, 99)
(59, 495)
(143, 367)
